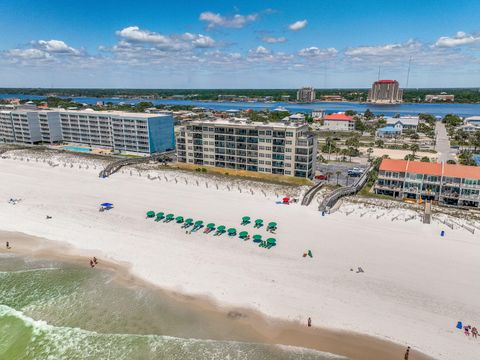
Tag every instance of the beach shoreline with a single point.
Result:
(264, 329)
(412, 290)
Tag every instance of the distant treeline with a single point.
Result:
(410, 95)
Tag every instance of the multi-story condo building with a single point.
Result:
(448, 184)
(121, 131)
(306, 95)
(276, 148)
(385, 92)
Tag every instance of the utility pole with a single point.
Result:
(408, 72)
(378, 76)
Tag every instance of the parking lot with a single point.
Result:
(331, 169)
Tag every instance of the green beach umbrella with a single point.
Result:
(198, 223)
(160, 215)
(257, 238)
(221, 228)
(189, 221)
(150, 213)
(271, 241)
(259, 221)
(272, 224)
(246, 218)
(170, 216)
(232, 231)
(179, 219)
(243, 234)
(211, 226)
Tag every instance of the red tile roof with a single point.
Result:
(418, 167)
(394, 165)
(461, 171)
(438, 169)
(340, 117)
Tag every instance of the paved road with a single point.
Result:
(442, 145)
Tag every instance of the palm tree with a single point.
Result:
(369, 153)
(328, 174)
(414, 148)
(338, 172)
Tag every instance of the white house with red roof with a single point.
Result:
(338, 122)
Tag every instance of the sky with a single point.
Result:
(243, 44)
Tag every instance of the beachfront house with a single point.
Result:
(403, 123)
(338, 122)
(445, 184)
(281, 148)
(389, 132)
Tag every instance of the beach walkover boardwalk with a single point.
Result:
(331, 199)
(118, 164)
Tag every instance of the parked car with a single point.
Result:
(320, 177)
(355, 172)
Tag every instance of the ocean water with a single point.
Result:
(57, 311)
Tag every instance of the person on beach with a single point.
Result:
(92, 264)
(474, 332)
(467, 330)
(95, 261)
(8, 245)
(407, 353)
(309, 322)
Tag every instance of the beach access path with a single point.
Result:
(415, 286)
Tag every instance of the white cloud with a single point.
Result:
(459, 39)
(317, 53)
(202, 41)
(298, 25)
(186, 41)
(235, 21)
(387, 50)
(56, 46)
(135, 34)
(27, 54)
(274, 40)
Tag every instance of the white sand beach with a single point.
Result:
(415, 286)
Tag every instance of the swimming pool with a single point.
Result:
(77, 148)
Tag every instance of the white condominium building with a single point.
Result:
(121, 131)
(306, 95)
(276, 148)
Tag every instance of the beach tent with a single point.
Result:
(232, 231)
(243, 234)
(257, 238)
(211, 226)
(179, 219)
(107, 205)
(271, 241)
(272, 225)
(286, 200)
(150, 214)
(245, 219)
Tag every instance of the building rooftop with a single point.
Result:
(338, 117)
(246, 122)
(386, 81)
(405, 120)
(437, 169)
